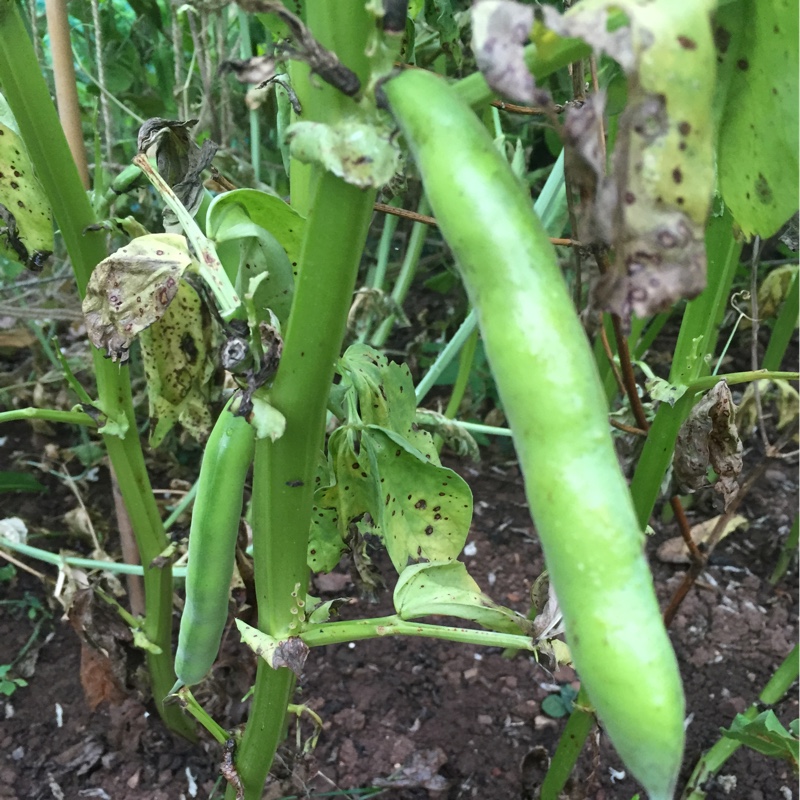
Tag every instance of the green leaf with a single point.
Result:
(385, 395)
(270, 234)
(766, 735)
(19, 482)
(757, 42)
(447, 589)
(554, 706)
(424, 510)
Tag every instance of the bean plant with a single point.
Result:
(683, 149)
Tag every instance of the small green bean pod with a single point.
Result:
(554, 402)
(212, 545)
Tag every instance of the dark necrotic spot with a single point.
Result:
(429, 530)
(679, 200)
(763, 189)
(743, 64)
(722, 39)
(677, 175)
(684, 128)
(686, 43)
(630, 198)
(420, 504)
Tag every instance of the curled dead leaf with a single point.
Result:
(709, 438)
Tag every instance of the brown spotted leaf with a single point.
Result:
(131, 289)
(652, 209)
(709, 438)
(179, 354)
(500, 29)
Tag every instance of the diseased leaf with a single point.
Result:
(500, 29)
(26, 220)
(652, 209)
(180, 364)
(179, 161)
(780, 392)
(131, 289)
(456, 437)
(447, 589)
(709, 438)
(290, 652)
(360, 152)
(757, 45)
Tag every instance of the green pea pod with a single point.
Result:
(212, 545)
(553, 399)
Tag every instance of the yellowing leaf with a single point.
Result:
(132, 288)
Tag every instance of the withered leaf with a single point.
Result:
(178, 159)
(301, 45)
(500, 29)
(652, 209)
(131, 289)
(709, 438)
(255, 70)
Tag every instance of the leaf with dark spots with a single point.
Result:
(647, 209)
(131, 289)
(179, 355)
(757, 113)
(709, 438)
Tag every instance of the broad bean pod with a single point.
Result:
(212, 545)
(554, 402)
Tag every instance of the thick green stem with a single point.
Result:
(29, 99)
(283, 478)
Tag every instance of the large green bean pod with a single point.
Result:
(554, 402)
(212, 545)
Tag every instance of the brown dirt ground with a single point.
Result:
(417, 718)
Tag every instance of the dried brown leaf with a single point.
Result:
(709, 438)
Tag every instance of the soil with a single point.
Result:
(406, 718)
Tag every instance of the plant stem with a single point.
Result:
(49, 414)
(29, 100)
(334, 239)
(712, 760)
(58, 560)
(416, 241)
(580, 722)
(357, 630)
(696, 339)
